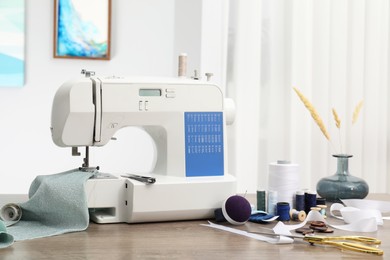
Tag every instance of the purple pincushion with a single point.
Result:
(236, 209)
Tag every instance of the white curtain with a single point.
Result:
(336, 52)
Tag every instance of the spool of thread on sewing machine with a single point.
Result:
(260, 195)
(182, 71)
(310, 200)
(283, 211)
(300, 200)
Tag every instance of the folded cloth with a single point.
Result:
(5, 239)
(57, 204)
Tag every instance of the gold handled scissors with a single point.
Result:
(357, 243)
(341, 242)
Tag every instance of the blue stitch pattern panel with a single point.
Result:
(204, 144)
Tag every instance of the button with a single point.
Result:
(146, 105)
(170, 90)
(170, 95)
(140, 105)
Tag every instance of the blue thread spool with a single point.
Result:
(310, 200)
(283, 210)
(321, 201)
(300, 200)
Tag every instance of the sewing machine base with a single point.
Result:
(113, 200)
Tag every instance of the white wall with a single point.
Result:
(145, 41)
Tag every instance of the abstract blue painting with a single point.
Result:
(82, 29)
(12, 43)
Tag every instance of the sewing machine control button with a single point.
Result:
(146, 105)
(170, 95)
(170, 90)
(140, 105)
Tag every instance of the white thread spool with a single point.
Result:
(283, 177)
(272, 201)
(182, 72)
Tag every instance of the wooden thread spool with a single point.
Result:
(322, 210)
(297, 215)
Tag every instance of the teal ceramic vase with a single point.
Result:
(342, 185)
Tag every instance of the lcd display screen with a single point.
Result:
(148, 92)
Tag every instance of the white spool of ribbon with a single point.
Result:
(283, 177)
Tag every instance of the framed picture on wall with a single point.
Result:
(12, 35)
(82, 29)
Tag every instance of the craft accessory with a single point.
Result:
(315, 209)
(284, 178)
(322, 210)
(321, 201)
(283, 211)
(11, 213)
(341, 243)
(310, 200)
(300, 200)
(182, 70)
(268, 239)
(352, 214)
(6, 239)
(262, 217)
(362, 225)
(320, 226)
(260, 196)
(236, 210)
(297, 215)
(357, 243)
(304, 231)
(272, 201)
(144, 179)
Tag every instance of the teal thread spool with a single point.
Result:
(260, 195)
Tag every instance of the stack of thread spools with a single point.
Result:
(284, 198)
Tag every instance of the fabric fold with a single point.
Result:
(57, 204)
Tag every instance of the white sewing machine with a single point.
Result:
(186, 120)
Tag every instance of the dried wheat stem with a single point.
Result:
(313, 113)
(338, 125)
(336, 118)
(357, 111)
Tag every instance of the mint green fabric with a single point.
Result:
(57, 204)
(5, 239)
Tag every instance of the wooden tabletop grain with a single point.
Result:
(180, 240)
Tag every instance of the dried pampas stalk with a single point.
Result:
(356, 112)
(313, 113)
(338, 125)
(336, 118)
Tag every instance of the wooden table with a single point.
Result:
(180, 240)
